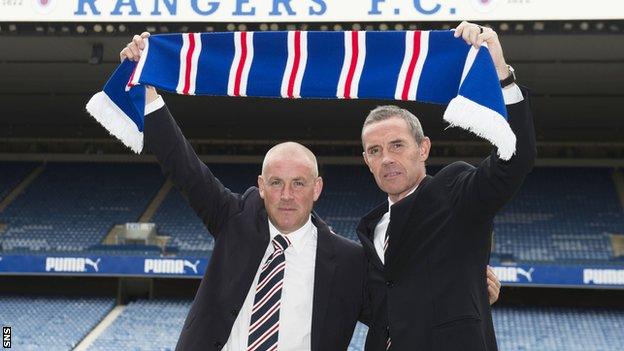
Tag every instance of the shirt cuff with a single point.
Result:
(159, 102)
(512, 94)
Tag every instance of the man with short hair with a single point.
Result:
(429, 243)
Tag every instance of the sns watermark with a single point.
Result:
(6, 337)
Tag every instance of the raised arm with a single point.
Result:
(212, 202)
(485, 189)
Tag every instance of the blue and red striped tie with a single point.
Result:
(264, 325)
(389, 340)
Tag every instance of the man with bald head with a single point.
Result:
(278, 277)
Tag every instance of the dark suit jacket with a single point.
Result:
(240, 227)
(431, 294)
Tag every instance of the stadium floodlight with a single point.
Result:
(122, 28)
(152, 29)
(264, 26)
(110, 28)
(12, 28)
(39, 29)
(209, 28)
(398, 26)
(230, 27)
(65, 29)
(503, 27)
(97, 53)
(338, 27)
(568, 26)
(80, 29)
(614, 27)
(356, 26)
(184, 29)
(412, 26)
(274, 26)
(97, 28)
(519, 27)
(369, 27)
(291, 27)
(383, 26)
(242, 27)
(323, 27)
(584, 26)
(599, 26)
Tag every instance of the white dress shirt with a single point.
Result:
(295, 316)
(511, 95)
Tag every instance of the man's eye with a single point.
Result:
(275, 183)
(373, 151)
(397, 146)
(299, 183)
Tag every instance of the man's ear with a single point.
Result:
(261, 186)
(366, 161)
(425, 147)
(318, 187)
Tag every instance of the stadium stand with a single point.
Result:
(156, 324)
(72, 206)
(145, 325)
(175, 217)
(51, 323)
(12, 173)
(563, 215)
(556, 328)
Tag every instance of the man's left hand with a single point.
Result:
(475, 35)
(494, 285)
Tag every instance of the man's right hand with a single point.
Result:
(132, 52)
(133, 49)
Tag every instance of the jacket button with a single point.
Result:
(389, 283)
(234, 312)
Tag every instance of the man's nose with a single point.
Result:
(386, 159)
(287, 193)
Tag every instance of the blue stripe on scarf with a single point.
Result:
(441, 75)
(269, 63)
(480, 88)
(325, 56)
(164, 68)
(384, 56)
(214, 63)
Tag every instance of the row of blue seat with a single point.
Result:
(560, 214)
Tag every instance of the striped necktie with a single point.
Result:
(389, 340)
(264, 325)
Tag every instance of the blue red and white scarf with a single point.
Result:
(425, 66)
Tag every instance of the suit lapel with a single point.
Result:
(401, 212)
(366, 233)
(323, 278)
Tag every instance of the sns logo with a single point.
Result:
(71, 264)
(169, 266)
(513, 274)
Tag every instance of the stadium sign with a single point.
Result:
(195, 267)
(71, 264)
(188, 267)
(169, 266)
(305, 10)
